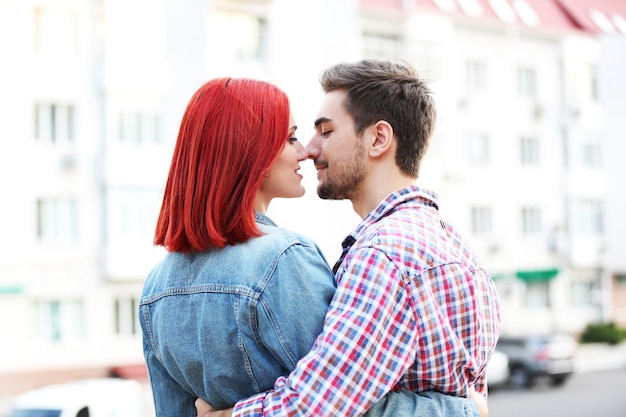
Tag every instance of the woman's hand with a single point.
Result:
(480, 400)
(204, 409)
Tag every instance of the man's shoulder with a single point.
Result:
(405, 221)
(397, 234)
(416, 234)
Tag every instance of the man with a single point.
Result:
(414, 310)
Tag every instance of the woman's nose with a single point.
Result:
(301, 152)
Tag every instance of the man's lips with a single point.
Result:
(320, 169)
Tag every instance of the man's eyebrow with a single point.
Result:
(320, 121)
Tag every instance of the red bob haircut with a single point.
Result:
(231, 132)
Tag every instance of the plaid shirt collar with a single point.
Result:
(420, 195)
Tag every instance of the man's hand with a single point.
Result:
(478, 398)
(203, 409)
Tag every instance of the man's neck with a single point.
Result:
(376, 188)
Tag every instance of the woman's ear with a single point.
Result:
(381, 139)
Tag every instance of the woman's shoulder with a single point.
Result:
(288, 243)
(272, 232)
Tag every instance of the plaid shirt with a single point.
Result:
(413, 310)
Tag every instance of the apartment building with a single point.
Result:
(519, 156)
(92, 92)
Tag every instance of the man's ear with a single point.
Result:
(381, 139)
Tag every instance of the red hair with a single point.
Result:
(230, 134)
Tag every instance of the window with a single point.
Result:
(619, 22)
(526, 82)
(56, 30)
(60, 320)
(503, 10)
(126, 316)
(593, 73)
(481, 220)
(526, 12)
(130, 211)
(602, 21)
(529, 151)
(471, 7)
(139, 127)
(583, 293)
(531, 221)
(476, 73)
(589, 217)
(54, 122)
(592, 154)
(57, 220)
(239, 36)
(446, 5)
(538, 294)
(478, 151)
(587, 86)
(381, 45)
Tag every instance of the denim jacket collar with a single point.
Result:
(263, 219)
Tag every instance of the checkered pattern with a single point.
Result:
(413, 310)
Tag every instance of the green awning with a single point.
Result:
(537, 274)
(11, 289)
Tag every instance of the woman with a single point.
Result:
(237, 301)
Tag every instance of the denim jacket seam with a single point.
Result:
(242, 346)
(196, 289)
(145, 313)
(267, 307)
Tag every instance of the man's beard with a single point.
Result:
(344, 185)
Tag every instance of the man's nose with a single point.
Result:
(313, 149)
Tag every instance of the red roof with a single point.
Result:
(596, 16)
(564, 15)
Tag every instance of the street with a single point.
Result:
(591, 394)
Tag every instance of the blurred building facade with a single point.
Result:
(526, 156)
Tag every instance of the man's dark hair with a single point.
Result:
(391, 91)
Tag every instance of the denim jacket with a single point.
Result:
(224, 324)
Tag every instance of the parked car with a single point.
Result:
(497, 370)
(534, 356)
(102, 397)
